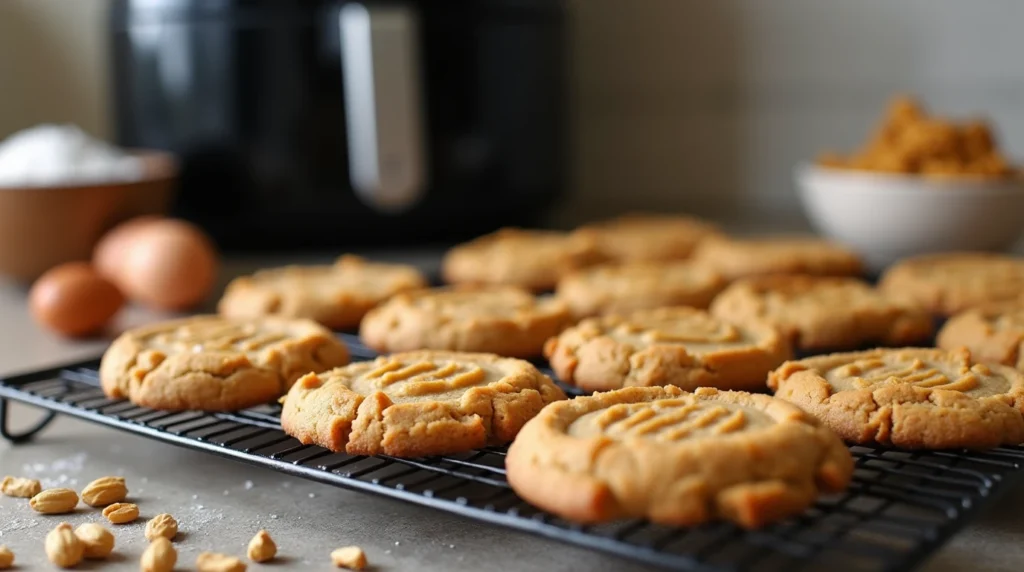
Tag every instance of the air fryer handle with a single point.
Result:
(383, 104)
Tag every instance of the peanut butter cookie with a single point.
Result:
(645, 237)
(503, 320)
(638, 286)
(531, 259)
(824, 313)
(212, 363)
(912, 398)
(676, 458)
(949, 283)
(337, 296)
(738, 258)
(994, 333)
(416, 404)
(666, 346)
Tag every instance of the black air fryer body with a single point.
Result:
(305, 123)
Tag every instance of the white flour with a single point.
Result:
(55, 155)
(197, 519)
(16, 524)
(58, 473)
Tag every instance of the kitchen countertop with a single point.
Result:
(221, 504)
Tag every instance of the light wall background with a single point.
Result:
(681, 105)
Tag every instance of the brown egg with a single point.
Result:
(74, 300)
(109, 254)
(169, 264)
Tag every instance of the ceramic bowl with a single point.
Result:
(886, 217)
(41, 227)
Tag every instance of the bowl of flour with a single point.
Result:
(61, 189)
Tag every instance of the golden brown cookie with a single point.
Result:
(416, 404)
(637, 286)
(531, 259)
(676, 458)
(738, 258)
(212, 363)
(994, 333)
(825, 313)
(910, 397)
(503, 320)
(949, 283)
(337, 295)
(666, 346)
(646, 237)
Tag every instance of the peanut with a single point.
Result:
(213, 562)
(54, 501)
(6, 557)
(98, 541)
(160, 556)
(21, 488)
(121, 513)
(162, 525)
(351, 557)
(62, 546)
(262, 547)
(104, 491)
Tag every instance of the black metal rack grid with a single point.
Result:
(900, 508)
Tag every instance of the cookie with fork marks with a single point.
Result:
(676, 458)
(213, 363)
(418, 403)
(913, 398)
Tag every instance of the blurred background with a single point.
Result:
(669, 105)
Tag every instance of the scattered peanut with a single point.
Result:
(213, 562)
(21, 488)
(161, 526)
(6, 557)
(121, 513)
(104, 491)
(54, 501)
(63, 548)
(98, 541)
(160, 556)
(262, 547)
(351, 557)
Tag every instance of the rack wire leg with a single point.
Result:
(25, 435)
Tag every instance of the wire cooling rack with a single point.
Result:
(901, 507)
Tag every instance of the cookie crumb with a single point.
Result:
(351, 557)
(6, 557)
(216, 562)
(262, 548)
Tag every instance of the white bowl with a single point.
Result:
(888, 217)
